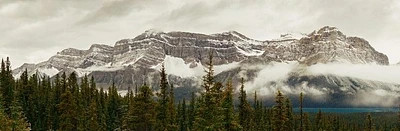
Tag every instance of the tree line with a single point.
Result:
(33, 103)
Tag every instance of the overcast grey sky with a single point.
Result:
(33, 30)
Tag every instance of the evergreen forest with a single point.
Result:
(69, 103)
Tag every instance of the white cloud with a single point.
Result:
(274, 77)
(377, 98)
(389, 74)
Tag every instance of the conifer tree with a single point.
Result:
(79, 99)
(19, 122)
(68, 114)
(208, 115)
(24, 92)
(93, 124)
(63, 83)
(42, 104)
(34, 103)
(7, 84)
(191, 111)
(25, 95)
(113, 106)
(84, 99)
(72, 82)
(256, 117)
(178, 113)
(172, 125)
(93, 87)
(229, 121)
(49, 104)
(307, 123)
(289, 113)
(280, 117)
(101, 110)
(163, 100)
(244, 108)
(336, 124)
(5, 122)
(57, 89)
(143, 115)
(183, 121)
(301, 111)
(318, 120)
(259, 120)
(208, 79)
(369, 126)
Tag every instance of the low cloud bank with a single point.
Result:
(273, 77)
(389, 74)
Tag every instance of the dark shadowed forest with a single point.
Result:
(68, 104)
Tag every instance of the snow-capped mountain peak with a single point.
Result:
(130, 59)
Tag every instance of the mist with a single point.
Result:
(389, 74)
(271, 78)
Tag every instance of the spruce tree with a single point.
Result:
(183, 118)
(67, 109)
(143, 113)
(24, 92)
(7, 84)
(191, 111)
(171, 113)
(79, 100)
(318, 120)
(25, 95)
(101, 109)
(163, 99)
(301, 112)
(55, 113)
(113, 106)
(178, 113)
(244, 108)
(84, 99)
(18, 120)
(280, 118)
(258, 122)
(208, 115)
(289, 114)
(93, 124)
(307, 123)
(42, 104)
(5, 122)
(369, 125)
(63, 82)
(229, 120)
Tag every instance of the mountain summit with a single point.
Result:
(136, 61)
(151, 48)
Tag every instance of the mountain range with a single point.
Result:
(288, 63)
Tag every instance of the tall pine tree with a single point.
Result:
(143, 113)
(244, 108)
(162, 121)
(68, 111)
(229, 120)
(280, 118)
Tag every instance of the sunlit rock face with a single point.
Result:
(266, 66)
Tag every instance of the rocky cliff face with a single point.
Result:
(326, 45)
(135, 61)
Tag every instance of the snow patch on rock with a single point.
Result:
(177, 66)
(49, 71)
